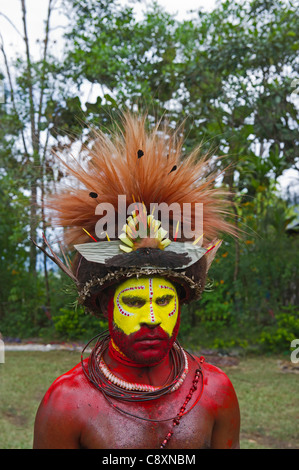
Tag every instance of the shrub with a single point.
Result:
(76, 324)
(278, 337)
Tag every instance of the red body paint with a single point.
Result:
(75, 414)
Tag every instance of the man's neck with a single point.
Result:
(156, 375)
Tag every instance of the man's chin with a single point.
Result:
(142, 348)
(149, 356)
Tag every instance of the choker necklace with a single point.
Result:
(140, 387)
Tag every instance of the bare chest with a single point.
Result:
(146, 425)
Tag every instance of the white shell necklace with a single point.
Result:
(140, 387)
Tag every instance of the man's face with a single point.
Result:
(145, 318)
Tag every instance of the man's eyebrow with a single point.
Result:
(166, 297)
(131, 297)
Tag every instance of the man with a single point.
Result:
(139, 389)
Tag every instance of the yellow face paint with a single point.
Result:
(148, 301)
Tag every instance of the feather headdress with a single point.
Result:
(146, 167)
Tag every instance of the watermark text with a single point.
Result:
(189, 216)
(2, 352)
(2, 92)
(295, 353)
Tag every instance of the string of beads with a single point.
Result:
(177, 419)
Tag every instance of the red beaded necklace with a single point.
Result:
(176, 420)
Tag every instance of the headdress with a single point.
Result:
(143, 170)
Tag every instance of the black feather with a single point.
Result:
(173, 169)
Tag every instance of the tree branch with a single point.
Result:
(43, 79)
(35, 143)
(12, 95)
(11, 23)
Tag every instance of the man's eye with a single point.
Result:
(134, 303)
(163, 301)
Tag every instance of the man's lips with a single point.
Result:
(149, 342)
(147, 338)
(151, 338)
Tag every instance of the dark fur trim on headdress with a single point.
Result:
(149, 257)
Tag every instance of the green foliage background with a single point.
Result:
(229, 73)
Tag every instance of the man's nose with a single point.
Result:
(151, 325)
(151, 317)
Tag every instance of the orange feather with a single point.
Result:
(114, 169)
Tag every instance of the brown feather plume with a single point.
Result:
(161, 175)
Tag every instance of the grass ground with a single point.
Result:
(268, 398)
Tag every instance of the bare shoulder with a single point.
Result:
(70, 382)
(219, 397)
(215, 373)
(217, 385)
(58, 420)
(212, 371)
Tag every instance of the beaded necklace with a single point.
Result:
(182, 412)
(140, 387)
